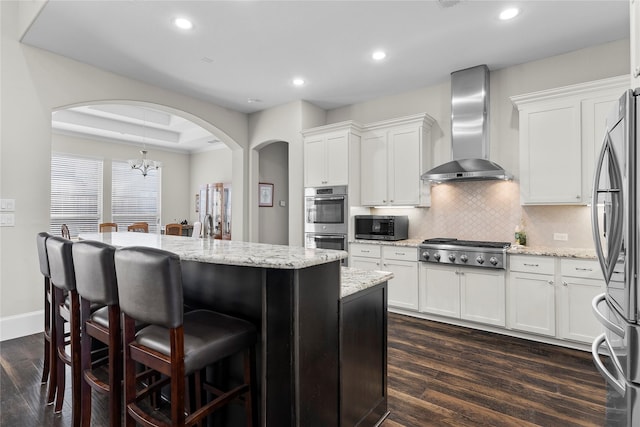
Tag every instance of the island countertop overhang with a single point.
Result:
(226, 252)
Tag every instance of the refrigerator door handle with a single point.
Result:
(602, 319)
(617, 385)
(614, 237)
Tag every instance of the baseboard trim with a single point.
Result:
(21, 325)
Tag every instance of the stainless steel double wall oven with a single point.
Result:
(326, 214)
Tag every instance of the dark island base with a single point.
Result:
(300, 358)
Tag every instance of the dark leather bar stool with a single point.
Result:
(96, 284)
(48, 370)
(175, 343)
(63, 279)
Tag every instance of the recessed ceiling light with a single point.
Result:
(379, 55)
(509, 13)
(298, 82)
(183, 23)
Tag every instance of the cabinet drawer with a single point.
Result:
(401, 253)
(588, 269)
(532, 264)
(372, 251)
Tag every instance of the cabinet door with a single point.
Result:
(365, 263)
(532, 303)
(482, 296)
(337, 160)
(594, 115)
(439, 291)
(550, 158)
(373, 169)
(404, 167)
(577, 322)
(403, 288)
(315, 174)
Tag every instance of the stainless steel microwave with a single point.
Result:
(381, 227)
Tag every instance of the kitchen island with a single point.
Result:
(315, 343)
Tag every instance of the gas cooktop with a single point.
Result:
(471, 253)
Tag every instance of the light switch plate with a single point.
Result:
(7, 220)
(561, 236)
(7, 205)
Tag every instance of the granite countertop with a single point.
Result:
(583, 253)
(356, 280)
(227, 252)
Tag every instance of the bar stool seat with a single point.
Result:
(207, 336)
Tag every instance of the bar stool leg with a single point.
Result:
(47, 331)
(59, 346)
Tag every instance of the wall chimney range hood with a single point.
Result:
(469, 131)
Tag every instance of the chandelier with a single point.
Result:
(144, 165)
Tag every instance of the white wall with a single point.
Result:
(208, 167)
(273, 169)
(282, 123)
(33, 83)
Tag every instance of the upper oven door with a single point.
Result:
(326, 214)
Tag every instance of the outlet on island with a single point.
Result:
(561, 236)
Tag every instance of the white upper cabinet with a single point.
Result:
(561, 132)
(327, 154)
(393, 155)
(634, 14)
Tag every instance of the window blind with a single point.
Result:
(76, 194)
(134, 198)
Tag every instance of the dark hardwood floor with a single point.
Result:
(439, 375)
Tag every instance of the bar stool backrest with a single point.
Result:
(61, 263)
(95, 272)
(150, 285)
(41, 244)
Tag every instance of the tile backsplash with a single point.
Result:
(490, 210)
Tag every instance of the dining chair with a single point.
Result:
(173, 229)
(96, 284)
(197, 229)
(139, 227)
(175, 343)
(63, 280)
(108, 227)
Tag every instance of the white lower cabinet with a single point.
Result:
(552, 296)
(473, 294)
(399, 260)
(581, 281)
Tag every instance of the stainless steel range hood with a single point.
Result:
(469, 131)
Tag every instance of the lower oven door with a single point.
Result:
(327, 241)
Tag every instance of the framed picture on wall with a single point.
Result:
(265, 192)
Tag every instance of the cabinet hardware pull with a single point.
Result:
(636, 72)
(400, 253)
(532, 265)
(584, 269)
(564, 283)
(550, 282)
(366, 252)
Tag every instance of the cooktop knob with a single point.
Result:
(493, 260)
(480, 259)
(437, 256)
(452, 257)
(425, 255)
(464, 258)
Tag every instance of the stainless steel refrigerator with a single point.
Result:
(615, 232)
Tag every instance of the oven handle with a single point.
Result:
(602, 319)
(315, 199)
(327, 237)
(618, 386)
